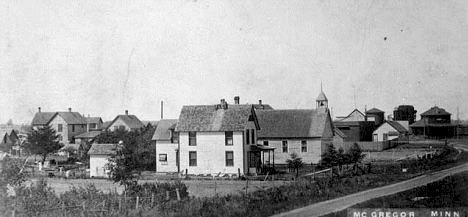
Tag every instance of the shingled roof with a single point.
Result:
(102, 149)
(163, 130)
(211, 118)
(93, 120)
(397, 126)
(374, 111)
(130, 120)
(42, 118)
(435, 111)
(70, 117)
(294, 123)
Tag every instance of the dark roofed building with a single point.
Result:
(42, 118)
(68, 125)
(125, 122)
(434, 123)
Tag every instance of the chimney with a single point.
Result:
(39, 109)
(223, 104)
(260, 102)
(162, 109)
(236, 100)
(69, 109)
(126, 112)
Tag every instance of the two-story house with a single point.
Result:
(305, 132)
(166, 146)
(41, 119)
(125, 122)
(68, 125)
(218, 138)
(434, 123)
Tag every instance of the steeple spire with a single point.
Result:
(322, 101)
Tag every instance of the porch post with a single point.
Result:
(273, 159)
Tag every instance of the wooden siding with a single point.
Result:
(313, 154)
(168, 148)
(97, 165)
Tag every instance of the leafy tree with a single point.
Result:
(43, 142)
(355, 154)
(295, 163)
(10, 174)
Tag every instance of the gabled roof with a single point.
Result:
(94, 120)
(131, 121)
(70, 117)
(102, 149)
(6, 139)
(13, 136)
(339, 133)
(88, 135)
(42, 118)
(163, 130)
(291, 123)
(397, 126)
(355, 115)
(212, 118)
(435, 111)
(262, 106)
(374, 111)
(106, 124)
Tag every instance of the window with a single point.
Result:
(73, 128)
(228, 138)
(247, 134)
(163, 157)
(229, 158)
(253, 136)
(265, 143)
(92, 126)
(192, 138)
(60, 138)
(285, 146)
(60, 128)
(192, 158)
(174, 136)
(385, 137)
(303, 146)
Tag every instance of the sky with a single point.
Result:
(103, 57)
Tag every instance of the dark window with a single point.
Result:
(285, 146)
(229, 158)
(265, 143)
(92, 126)
(303, 146)
(73, 128)
(253, 136)
(192, 158)
(192, 138)
(174, 137)
(60, 128)
(247, 136)
(163, 157)
(229, 138)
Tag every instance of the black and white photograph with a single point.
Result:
(234, 108)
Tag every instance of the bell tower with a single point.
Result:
(322, 101)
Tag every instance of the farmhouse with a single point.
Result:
(218, 139)
(305, 132)
(98, 159)
(41, 119)
(167, 146)
(125, 122)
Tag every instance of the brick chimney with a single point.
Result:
(39, 109)
(260, 102)
(69, 109)
(236, 100)
(126, 112)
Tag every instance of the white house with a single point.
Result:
(98, 159)
(125, 122)
(306, 132)
(216, 139)
(167, 146)
(390, 130)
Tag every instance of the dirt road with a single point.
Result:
(338, 204)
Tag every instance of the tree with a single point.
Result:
(329, 157)
(10, 174)
(43, 142)
(295, 163)
(355, 154)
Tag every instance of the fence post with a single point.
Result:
(84, 208)
(152, 200)
(120, 205)
(178, 194)
(137, 201)
(104, 204)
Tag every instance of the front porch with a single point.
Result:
(261, 160)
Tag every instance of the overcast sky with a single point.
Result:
(104, 57)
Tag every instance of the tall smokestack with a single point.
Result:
(162, 109)
(236, 100)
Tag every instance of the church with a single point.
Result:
(305, 132)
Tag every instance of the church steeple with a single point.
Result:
(322, 101)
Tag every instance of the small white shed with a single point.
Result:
(98, 159)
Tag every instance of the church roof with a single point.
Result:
(322, 97)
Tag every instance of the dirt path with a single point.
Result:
(338, 204)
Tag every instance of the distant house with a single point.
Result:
(6, 144)
(434, 123)
(68, 125)
(98, 159)
(376, 115)
(390, 130)
(218, 138)
(94, 123)
(354, 116)
(167, 146)
(41, 119)
(86, 137)
(355, 126)
(125, 122)
(306, 132)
